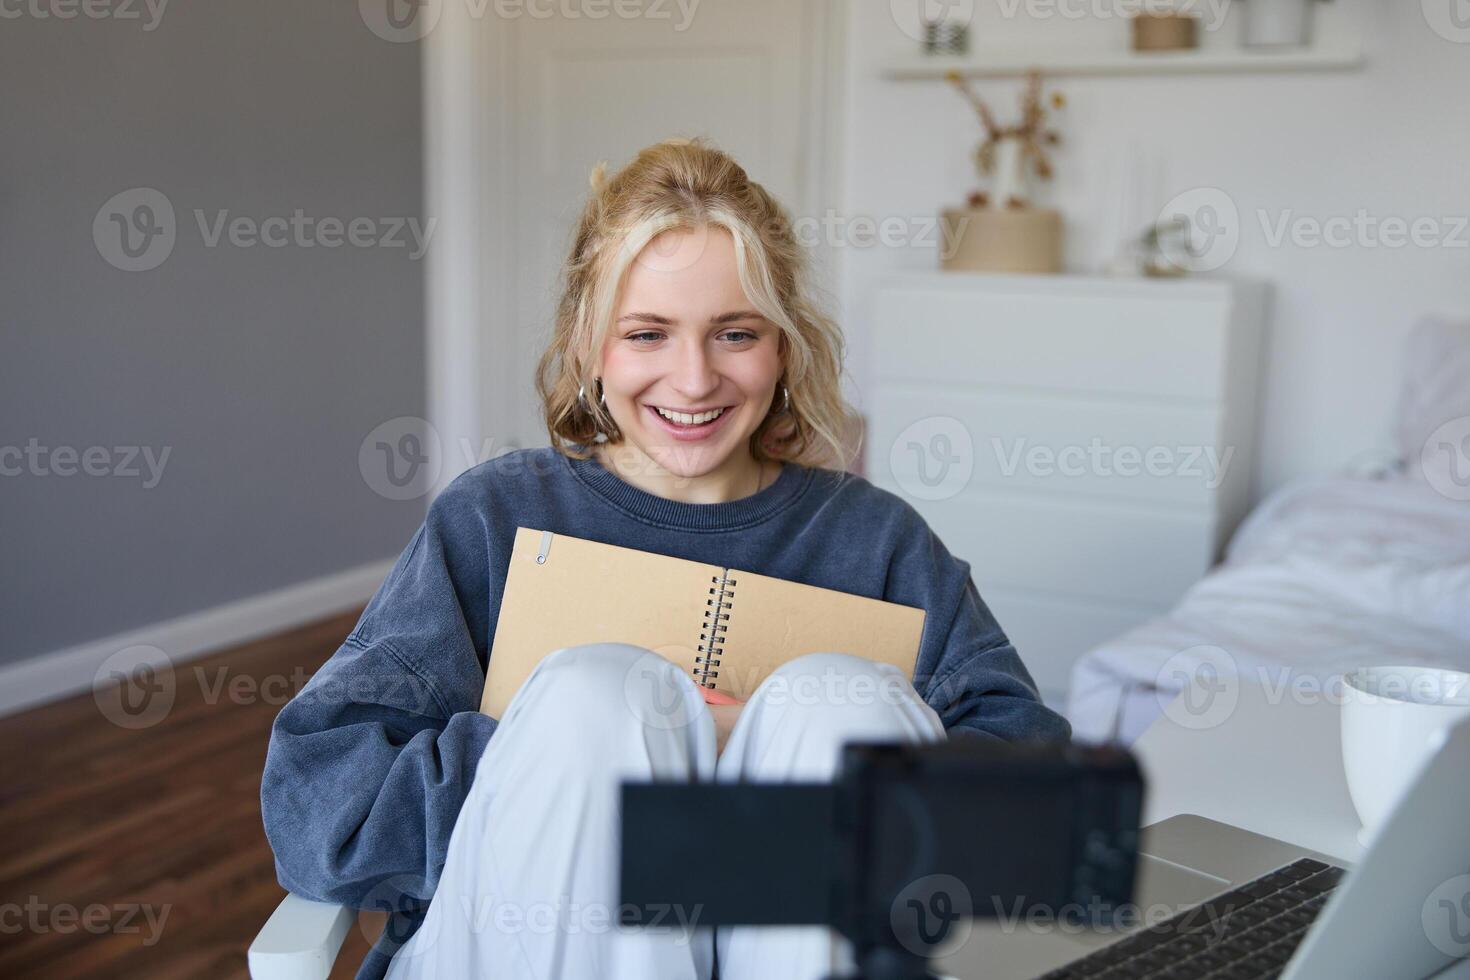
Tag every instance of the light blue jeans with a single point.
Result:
(529, 888)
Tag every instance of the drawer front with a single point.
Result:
(1052, 632)
(1022, 441)
(1140, 345)
(1085, 548)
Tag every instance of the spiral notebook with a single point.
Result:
(728, 628)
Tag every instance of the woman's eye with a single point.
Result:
(734, 336)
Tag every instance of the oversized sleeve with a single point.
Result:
(369, 764)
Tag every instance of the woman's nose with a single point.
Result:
(695, 375)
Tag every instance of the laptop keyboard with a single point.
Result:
(1247, 933)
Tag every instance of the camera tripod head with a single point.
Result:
(907, 841)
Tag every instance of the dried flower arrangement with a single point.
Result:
(1006, 151)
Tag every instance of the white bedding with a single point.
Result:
(1325, 575)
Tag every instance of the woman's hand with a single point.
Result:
(726, 711)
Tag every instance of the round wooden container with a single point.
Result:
(988, 240)
(1164, 32)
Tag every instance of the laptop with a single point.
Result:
(1247, 906)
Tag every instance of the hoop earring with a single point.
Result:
(601, 394)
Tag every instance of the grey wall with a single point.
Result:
(261, 368)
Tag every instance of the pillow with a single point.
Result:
(1434, 406)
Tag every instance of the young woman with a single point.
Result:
(690, 390)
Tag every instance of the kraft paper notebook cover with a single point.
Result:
(728, 628)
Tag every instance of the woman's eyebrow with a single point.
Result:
(731, 317)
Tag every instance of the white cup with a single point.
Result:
(1389, 718)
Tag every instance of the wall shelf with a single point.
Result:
(1011, 61)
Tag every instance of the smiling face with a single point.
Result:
(690, 367)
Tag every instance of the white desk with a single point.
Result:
(1271, 767)
(1274, 768)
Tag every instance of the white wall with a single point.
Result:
(1392, 139)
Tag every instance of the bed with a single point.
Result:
(1325, 575)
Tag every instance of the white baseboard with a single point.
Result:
(68, 671)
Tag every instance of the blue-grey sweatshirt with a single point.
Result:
(370, 762)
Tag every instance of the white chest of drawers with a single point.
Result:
(1084, 443)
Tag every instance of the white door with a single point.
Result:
(559, 93)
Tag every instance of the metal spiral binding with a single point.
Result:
(716, 616)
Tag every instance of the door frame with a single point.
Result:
(468, 69)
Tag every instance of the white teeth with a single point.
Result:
(683, 418)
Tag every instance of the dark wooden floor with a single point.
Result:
(163, 819)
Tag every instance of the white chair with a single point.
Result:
(300, 940)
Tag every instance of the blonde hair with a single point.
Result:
(689, 184)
